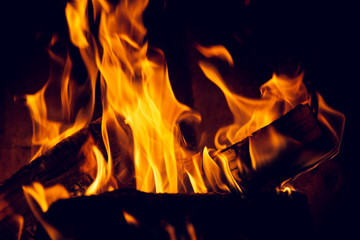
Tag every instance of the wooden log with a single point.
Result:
(61, 164)
(288, 146)
(267, 215)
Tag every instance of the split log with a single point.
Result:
(288, 146)
(267, 215)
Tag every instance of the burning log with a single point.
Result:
(130, 214)
(59, 165)
(306, 144)
(290, 145)
(63, 164)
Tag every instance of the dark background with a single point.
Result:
(262, 36)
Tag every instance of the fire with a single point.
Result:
(39, 199)
(286, 188)
(136, 94)
(135, 90)
(49, 127)
(278, 96)
(102, 175)
(130, 219)
(44, 197)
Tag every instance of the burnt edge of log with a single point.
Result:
(308, 143)
(213, 216)
(61, 164)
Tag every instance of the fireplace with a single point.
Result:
(218, 56)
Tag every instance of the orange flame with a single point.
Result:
(39, 197)
(137, 90)
(48, 127)
(136, 94)
(285, 187)
(278, 96)
(169, 229)
(191, 230)
(130, 219)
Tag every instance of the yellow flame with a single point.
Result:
(48, 127)
(75, 14)
(137, 89)
(136, 94)
(213, 173)
(37, 195)
(194, 171)
(45, 197)
(102, 175)
(286, 187)
(278, 96)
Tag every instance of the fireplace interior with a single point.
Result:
(316, 38)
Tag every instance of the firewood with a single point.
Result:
(213, 216)
(304, 144)
(62, 163)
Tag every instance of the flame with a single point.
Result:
(213, 173)
(191, 230)
(218, 51)
(20, 221)
(130, 219)
(195, 174)
(286, 187)
(141, 114)
(135, 90)
(102, 175)
(279, 95)
(45, 197)
(39, 197)
(169, 229)
(48, 127)
(333, 120)
(136, 94)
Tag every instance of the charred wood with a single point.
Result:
(213, 216)
(61, 164)
(288, 146)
